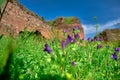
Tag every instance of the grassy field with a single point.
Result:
(30, 58)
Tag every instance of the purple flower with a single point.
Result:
(76, 28)
(70, 39)
(76, 36)
(99, 46)
(73, 40)
(73, 63)
(89, 39)
(98, 39)
(63, 44)
(47, 48)
(114, 56)
(64, 31)
(117, 49)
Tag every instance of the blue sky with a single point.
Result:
(107, 12)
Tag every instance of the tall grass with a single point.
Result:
(79, 60)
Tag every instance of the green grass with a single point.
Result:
(50, 23)
(1, 3)
(29, 61)
(68, 20)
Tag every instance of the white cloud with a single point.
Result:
(91, 29)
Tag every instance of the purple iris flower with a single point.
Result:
(99, 46)
(63, 44)
(47, 48)
(76, 36)
(70, 39)
(98, 39)
(73, 63)
(114, 56)
(89, 39)
(117, 49)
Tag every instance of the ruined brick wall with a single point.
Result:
(60, 24)
(16, 18)
(110, 34)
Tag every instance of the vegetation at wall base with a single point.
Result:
(27, 58)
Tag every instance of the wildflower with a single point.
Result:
(64, 31)
(117, 49)
(47, 48)
(99, 46)
(114, 56)
(73, 63)
(89, 39)
(63, 44)
(70, 39)
(68, 76)
(73, 40)
(76, 36)
(98, 39)
(76, 28)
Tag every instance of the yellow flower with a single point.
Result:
(69, 76)
(48, 59)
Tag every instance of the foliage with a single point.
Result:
(95, 18)
(1, 3)
(5, 51)
(78, 60)
(68, 20)
(115, 43)
(42, 18)
(50, 23)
